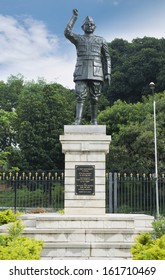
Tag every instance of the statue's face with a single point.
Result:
(89, 27)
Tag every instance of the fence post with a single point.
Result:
(110, 193)
(115, 192)
(15, 194)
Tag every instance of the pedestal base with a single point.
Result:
(107, 236)
(85, 146)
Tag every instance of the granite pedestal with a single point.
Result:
(85, 148)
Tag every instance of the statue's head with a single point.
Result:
(88, 25)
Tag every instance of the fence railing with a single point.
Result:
(28, 190)
(134, 193)
(124, 193)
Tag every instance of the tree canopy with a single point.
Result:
(134, 66)
(39, 114)
(132, 130)
(33, 114)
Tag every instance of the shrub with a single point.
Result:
(147, 248)
(4, 239)
(21, 248)
(8, 216)
(159, 227)
(61, 211)
(15, 229)
(16, 247)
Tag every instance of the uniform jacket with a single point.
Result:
(93, 59)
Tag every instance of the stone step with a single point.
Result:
(29, 220)
(86, 251)
(116, 221)
(108, 236)
(82, 235)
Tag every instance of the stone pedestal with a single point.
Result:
(85, 147)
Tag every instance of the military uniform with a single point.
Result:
(93, 63)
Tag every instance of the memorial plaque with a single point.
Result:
(85, 180)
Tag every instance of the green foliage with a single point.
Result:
(7, 139)
(28, 197)
(58, 195)
(8, 216)
(132, 130)
(43, 110)
(3, 159)
(134, 66)
(159, 227)
(151, 246)
(61, 211)
(32, 115)
(7, 133)
(16, 247)
(15, 229)
(35, 194)
(21, 248)
(147, 248)
(124, 209)
(10, 91)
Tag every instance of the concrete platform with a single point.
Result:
(107, 236)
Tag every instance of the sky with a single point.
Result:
(32, 41)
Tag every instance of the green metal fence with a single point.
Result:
(28, 190)
(134, 193)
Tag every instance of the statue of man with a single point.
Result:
(93, 66)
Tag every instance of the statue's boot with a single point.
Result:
(94, 114)
(79, 110)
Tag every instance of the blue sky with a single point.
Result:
(31, 32)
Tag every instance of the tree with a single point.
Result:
(10, 91)
(132, 130)
(7, 137)
(43, 110)
(134, 66)
(7, 133)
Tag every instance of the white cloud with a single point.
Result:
(27, 47)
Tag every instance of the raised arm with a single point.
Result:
(68, 30)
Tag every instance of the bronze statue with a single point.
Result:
(93, 66)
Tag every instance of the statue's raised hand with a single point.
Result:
(75, 12)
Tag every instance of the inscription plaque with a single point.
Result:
(85, 180)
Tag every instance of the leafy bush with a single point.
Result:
(147, 248)
(16, 229)
(4, 239)
(61, 211)
(8, 216)
(159, 227)
(21, 248)
(16, 247)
